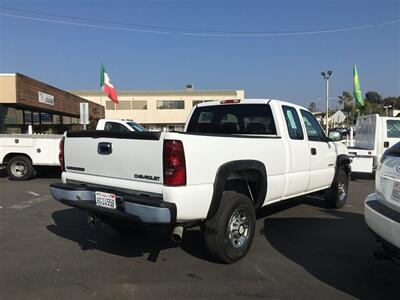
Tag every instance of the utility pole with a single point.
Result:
(327, 76)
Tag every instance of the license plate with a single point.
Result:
(396, 191)
(106, 200)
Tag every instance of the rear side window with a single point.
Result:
(115, 127)
(233, 119)
(313, 128)
(393, 128)
(293, 123)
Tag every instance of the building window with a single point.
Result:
(124, 105)
(27, 117)
(46, 118)
(57, 119)
(13, 116)
(36, 118)
(110, 105)
(170, 104)
(66, 120)
(139, 105)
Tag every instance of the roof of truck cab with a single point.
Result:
(253, 101)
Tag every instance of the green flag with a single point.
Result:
(356, 87)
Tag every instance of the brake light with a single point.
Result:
(61, 155)
(174, 163)
(230, 101)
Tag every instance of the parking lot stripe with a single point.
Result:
(33, 193)
(28, 203)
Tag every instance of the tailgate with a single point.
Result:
(134, 156)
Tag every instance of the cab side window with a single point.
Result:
(115, 127)
(293, 123)
(313, 128)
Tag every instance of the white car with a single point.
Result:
(382, 209)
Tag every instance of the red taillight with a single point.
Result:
(61, 155)
(230, 101)
(174, 163)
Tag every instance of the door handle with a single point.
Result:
(313, 151)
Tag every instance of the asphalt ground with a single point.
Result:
(301, 250)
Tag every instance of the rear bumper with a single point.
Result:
(130, 207)
(383, 221)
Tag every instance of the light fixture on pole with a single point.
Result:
(386, 107)
(327, 76)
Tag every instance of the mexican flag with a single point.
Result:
(107, 86)
(356, 87)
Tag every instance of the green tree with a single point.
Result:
(373, 97)
(312, 107)
(346, 99)
(370, 108)
(393, 101)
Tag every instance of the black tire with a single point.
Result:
(20, 168)
(336, 195)
(221, 243)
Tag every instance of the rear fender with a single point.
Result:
(223, 174)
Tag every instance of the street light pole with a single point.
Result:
(327, 76)
(386, 107)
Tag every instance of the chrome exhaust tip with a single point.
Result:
(177, 234)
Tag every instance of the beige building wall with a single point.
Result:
(8, 91)
(154, 117)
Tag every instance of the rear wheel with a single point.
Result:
(20, 168)
(230, 232)
(336, 195)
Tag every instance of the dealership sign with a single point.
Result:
(46, 98)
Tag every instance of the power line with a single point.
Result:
(174, 30)
(83, 24)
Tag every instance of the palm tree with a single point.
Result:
(346, 99)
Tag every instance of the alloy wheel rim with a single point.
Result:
(238, 228)
(342, 191)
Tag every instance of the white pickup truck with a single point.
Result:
(374, 135)
(21, 154)
(233, 158)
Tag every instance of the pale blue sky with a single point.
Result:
(63, 43)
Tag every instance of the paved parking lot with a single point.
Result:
(301, 250)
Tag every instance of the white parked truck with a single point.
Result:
(22, 153)
(118, 125)
(374, 135)
(233, 158)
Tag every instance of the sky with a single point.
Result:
(270, 48)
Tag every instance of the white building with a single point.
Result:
(156, 109)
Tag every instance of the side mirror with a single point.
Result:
(335, 136)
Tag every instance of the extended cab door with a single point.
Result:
(323, 156)
(298, 172)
